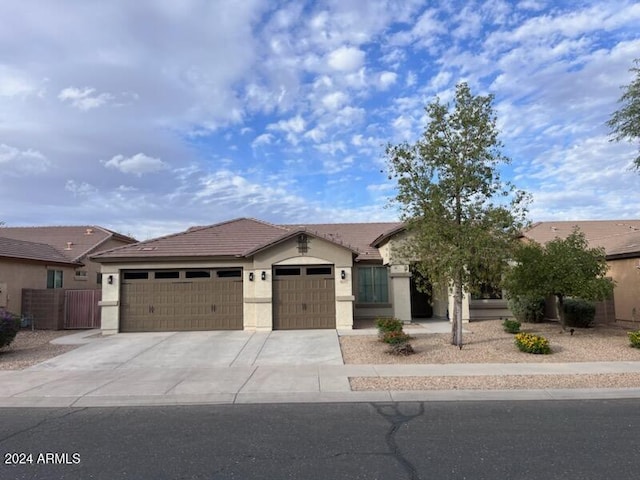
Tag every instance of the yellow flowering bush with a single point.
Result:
(530, 343)
(634, 338)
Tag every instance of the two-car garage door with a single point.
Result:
(189, 299)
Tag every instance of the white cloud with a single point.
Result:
(84, 99)
(346, 59)
(264, 139)
(335, 100)
(292, 127)
(80, 189)
(14, 82)
(138, 164)
(386, 79)
(18, 162)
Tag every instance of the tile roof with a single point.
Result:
(226, 239)
(246, 236)
(615, 236)
(74, 242)
(41, 252)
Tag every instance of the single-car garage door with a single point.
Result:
(174, 300)
(304, 297)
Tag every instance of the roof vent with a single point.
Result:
(68, 247)
(88, 231)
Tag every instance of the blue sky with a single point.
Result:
(148, 117)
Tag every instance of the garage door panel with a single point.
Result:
(303, 301)
(153, 304)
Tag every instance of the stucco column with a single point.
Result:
(401, 292)
(261, 301)
(344, 298)
(110, 303)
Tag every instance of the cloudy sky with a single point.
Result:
(150, 116)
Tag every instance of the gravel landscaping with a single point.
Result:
(31, 347)
(486, 342)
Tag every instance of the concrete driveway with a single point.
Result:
(185, 350)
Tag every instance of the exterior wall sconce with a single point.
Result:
(343, 274)
(263, 275)
(251, 276)
(110, 279)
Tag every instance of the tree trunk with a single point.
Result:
(456, 324)
(560, 307)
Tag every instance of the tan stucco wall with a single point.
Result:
(18, 275)
(626, 293)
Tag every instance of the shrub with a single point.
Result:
(578, 313)
(9, 327)
(511, 326)
(402, 349)
(634, 338)
(527, 309)
(529, 343)
(394, 338)
(387, 324)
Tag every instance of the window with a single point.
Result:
(229, 273)
(166, 275)
(487, 292)
(80, 275)
(318, 270)
(136, 275)
(197, 274)
(285, 271)
(99, 278)
(373, 285)
(54, 278)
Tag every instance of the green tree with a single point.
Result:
(625, 122)
(563, 268)
(461, 217)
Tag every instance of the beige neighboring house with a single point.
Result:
(621, 242)
(51, 257)
(253, 275)
(28, 265)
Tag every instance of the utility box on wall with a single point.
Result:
(3, 295)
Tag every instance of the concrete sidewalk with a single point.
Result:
(254, 368)
(277, 384)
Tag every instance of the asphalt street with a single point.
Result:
(577, 439)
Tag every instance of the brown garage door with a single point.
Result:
(174, 300)
(304, 297)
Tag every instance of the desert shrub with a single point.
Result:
(578, 313)
(9, 327)
(388, 324)
(530, 343)
(527, 309)
(394, 338)
(511, 326)
(401, 349)
(634, 338)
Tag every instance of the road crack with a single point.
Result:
(392, 414)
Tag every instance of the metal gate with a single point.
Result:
(81, 308)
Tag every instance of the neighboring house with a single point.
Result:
(61, 255)
(621, 242)
(249, 274)
(29, 265)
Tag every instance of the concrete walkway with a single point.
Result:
(256, 371)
